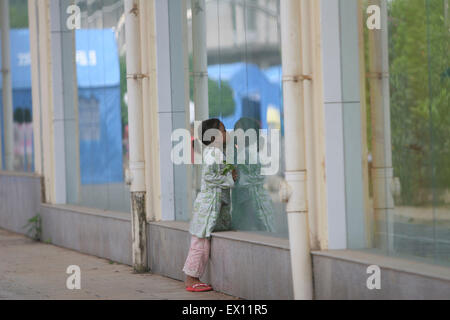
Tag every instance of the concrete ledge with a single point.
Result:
(90, 211)
(342, 274)
(100, 233)
(246, 265)
(20, 198)
(19, 174)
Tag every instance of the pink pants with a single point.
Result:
(197, 258)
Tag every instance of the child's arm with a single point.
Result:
(212, 172)
(213, 176)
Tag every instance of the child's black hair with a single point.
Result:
(209, 124)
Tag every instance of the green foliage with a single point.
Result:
(34, 228)
(220, 97)
(221, 103)
(420, 119)
(228, 168)
(123, 90)
(18, 14)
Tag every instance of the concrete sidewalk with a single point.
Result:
(34, 270)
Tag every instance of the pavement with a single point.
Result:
(36, 270)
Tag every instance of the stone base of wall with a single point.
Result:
(242, 264)
(95, 232)
(342, 274)
(20, 199)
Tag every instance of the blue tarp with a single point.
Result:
(274, 74)
(99, 69)
(251, 90)
(21, 77)
(98, 76)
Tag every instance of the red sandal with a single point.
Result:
(199, 287)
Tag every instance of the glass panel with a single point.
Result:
(21, 89)
(419, 225)
(182, 173)
(102, 108)
(244, 91)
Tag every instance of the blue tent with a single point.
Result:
(253, 93)
(98, 75)
(21, 78)
(274, 74)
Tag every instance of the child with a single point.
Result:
(211, 210)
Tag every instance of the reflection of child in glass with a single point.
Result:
(252, 205)
(211, 210)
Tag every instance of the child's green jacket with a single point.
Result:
(212, 206)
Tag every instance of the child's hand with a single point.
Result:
(234, 174)
(228, 167)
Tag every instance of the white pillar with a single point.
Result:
(136, 134)
(296, 94)
(153, 171)
(7, 87)
(45, 88)
(149, 102)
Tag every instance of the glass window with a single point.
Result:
(418, 46)
(102, 106)
(23, 155)
(245, 91)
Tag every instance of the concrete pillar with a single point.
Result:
(150, 105)
(65, 105)
(7, 88)
(45, 89)
(136, 130)
(295, 28)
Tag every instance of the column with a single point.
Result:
(136, 130)
(295, 28)
(65, 105)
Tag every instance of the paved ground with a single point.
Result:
(34, 270)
